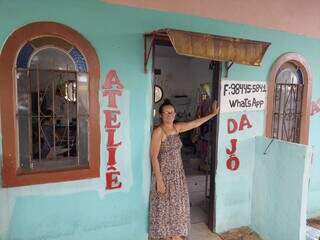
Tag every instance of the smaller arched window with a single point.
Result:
(288, 99)
(288, 103)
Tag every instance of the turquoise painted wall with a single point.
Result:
(314, 185)
(234, 188)
(60, 211)
(279, 197)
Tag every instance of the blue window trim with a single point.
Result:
(27, 50)
(24, 55)
(78, 59)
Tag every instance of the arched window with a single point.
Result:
(52, 93)
(289, 99)
(54, 109)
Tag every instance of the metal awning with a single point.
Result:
(207, 46)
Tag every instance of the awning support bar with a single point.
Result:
(227, 66)
(147, 50)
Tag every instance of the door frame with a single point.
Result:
(216, 80)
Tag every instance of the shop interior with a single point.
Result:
(187, 83)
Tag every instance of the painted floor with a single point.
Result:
(198, 215)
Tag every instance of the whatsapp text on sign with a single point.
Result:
(239, 96)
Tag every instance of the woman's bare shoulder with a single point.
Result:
(157, 130)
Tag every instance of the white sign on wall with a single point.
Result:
(239, 96)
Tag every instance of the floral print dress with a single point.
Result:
(170, 212)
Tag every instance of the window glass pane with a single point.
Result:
(23, 85)
(52, 58)
(47, 138)
(83, 99)
(290, 74)
(275, 125)
(53, 108)
(36, 138)
(299, 98)
(24, 141)
(23, 117)
(83, 140)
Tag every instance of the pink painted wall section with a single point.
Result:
(295, 16)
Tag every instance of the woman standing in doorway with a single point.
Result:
(169, 199)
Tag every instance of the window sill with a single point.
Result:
(21, 171)
(33, 177)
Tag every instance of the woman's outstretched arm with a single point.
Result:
(185, 126)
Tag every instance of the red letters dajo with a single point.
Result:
(233, 162)
(112, 88)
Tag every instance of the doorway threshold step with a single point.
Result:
(243, 233)
(200, 231)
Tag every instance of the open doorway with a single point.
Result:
(191, 84)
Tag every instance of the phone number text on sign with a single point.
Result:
(237, 96)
